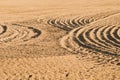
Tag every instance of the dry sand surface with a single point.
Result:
(60, 40)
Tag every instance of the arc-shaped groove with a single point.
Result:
(58, 24)
(23, 34)
(67, 24)
(82, 42)
(37, 32)
(98, 42)
(108, 38)
(16, 33)
(118, 32)
(112, 38)
(103, 39)
(90, 36)
(95, 38)
(78, 21)
(100, 38)
(76, 42)
(9, 38)
(4, 27)
(114, 34)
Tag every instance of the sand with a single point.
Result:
(59, 40)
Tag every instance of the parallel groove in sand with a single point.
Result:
(103, 39)
(15, 33)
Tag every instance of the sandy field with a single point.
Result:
(59, 40)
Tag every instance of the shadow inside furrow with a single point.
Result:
(89, 37)
(97, 50)
(96, 37)
(72, 23)
(113, 41)
(36, 31)
(115, 33)
(81, 38)
(102, 41)
(4, 29)
(103, 38)
(52, 22)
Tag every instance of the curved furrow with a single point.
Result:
(16, 33)
(108, 37)
(50, 22)
(65, 27)
(23, 34)
(6, 36)
(90, 35)
(118, 32)
(68, 42)
(85, 21)
(10, 37)
(100, 37)
(4, 29)
(66, 24)
(79, 36)
(89, 44)
(60, 25)
(112, 38)
(80, 41)
(81, 21)
(8, 33)
(78, 21)
(114, 34)
(62, 22)
(70, 22)
(71, 39)
(95, 38)
(65, 21)
(57, 23)
(74, 21)
(37, 32)
(104, 38)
